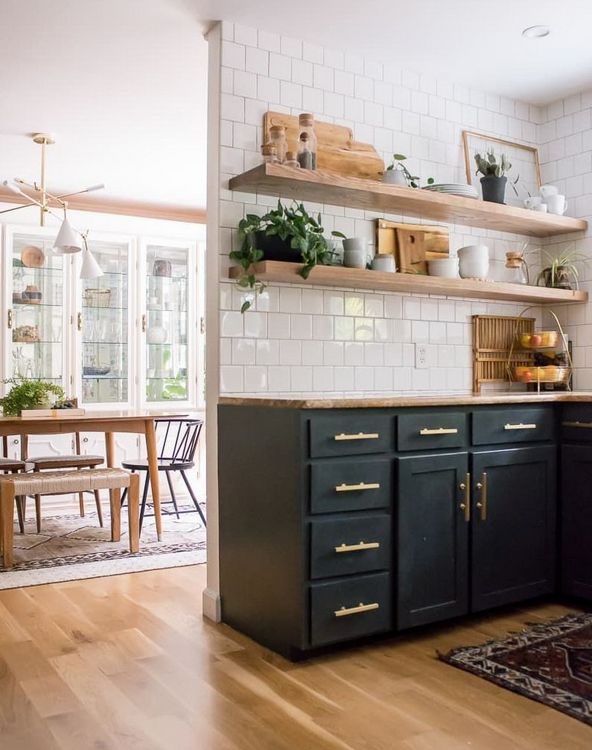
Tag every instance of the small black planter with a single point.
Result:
(274, 248)
(493, 188)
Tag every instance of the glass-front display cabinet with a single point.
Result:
(126, 339)
(169, 323)
(36, 315)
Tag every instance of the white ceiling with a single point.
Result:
(474, 42)
(123, 83)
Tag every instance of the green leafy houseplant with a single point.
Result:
(300, 234)
(398, 166)
(560, 271)
(30, 394)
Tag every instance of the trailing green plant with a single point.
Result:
(295, 226)
(412, 180)
(29, 394)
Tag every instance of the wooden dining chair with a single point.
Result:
(13, 466)
(179, 439)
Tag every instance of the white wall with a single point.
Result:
(308, 341)
(565, 140)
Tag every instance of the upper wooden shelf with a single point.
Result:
(355, 278)
(335, 190)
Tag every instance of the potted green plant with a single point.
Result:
(397, 173)
(288, 234)
(493, 181)
(30, 394)
(560, 271)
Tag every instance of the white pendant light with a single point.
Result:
(90, 268)
(68, 241)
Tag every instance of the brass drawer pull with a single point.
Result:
(466, 503)
(346, 611)
(357, 487)
(357, 547)
(584, 425)
(439, 431)
(358, 436)
(520, 426)
(482, 503)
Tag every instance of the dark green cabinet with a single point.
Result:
(576, 520)
(513, 525)
(341, 524)
(432, 538)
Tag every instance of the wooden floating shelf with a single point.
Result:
(335, 190)
(356, 278)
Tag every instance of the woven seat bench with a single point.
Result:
(64, 483)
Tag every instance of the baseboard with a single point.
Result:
(212, 605)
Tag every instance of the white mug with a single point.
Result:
(542, 207)
(547, 190)
(532, 201)
(556, 204)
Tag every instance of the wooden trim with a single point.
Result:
(356, 278)
(335, 190)
(107, 205)
(504, 142)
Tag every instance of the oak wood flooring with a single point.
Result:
(128, 663)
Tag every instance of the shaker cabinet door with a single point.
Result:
(432, 538)
(576, 520)
(513, 527)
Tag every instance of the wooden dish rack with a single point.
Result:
(493, 339)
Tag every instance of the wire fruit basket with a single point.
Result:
(550, 362)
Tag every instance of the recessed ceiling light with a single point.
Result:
(536, 32)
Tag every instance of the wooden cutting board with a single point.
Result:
(412, 244)
(337, 150)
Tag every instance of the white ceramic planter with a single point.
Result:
(474, 262)
(384, 262)
(394, 177)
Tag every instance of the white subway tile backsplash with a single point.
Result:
(299, 339)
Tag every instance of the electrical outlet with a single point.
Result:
(421, 356)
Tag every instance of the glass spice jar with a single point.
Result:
(306, 125)
(305, 155)
(277, 138)
(291, 160)
(269, 153)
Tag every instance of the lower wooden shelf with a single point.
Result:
(356, 278)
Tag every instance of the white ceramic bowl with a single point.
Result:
(474, 261)
(446, 268)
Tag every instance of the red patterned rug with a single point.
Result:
(550, 663)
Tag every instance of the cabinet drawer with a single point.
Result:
(430, 430)
(350, 434)
(517, 425)
(348, 609)
(344, 546)
(576, 422)
(350, 485)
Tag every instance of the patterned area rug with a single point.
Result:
(70, 547)
(550, 663)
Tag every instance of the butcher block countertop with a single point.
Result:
(395, 402)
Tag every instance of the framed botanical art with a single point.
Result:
(524, 177)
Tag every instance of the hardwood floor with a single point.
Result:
(128, 663)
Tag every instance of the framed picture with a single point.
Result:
(524, 178)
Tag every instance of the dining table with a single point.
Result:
(108, 422)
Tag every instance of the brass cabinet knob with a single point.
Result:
(462, 486)
(479, 486)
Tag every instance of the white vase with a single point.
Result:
(474, 262)
(394, 177)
